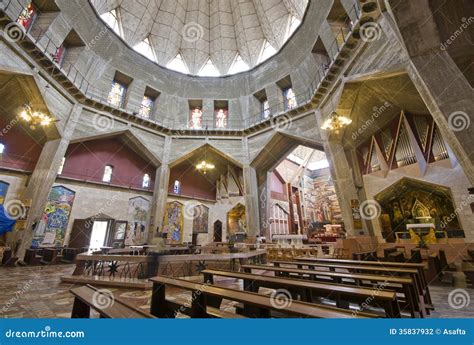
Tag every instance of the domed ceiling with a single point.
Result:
(211, 37)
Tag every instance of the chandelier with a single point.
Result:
(204, 167)
(336, 122)
(35, 118)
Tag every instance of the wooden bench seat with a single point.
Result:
(418, 266)
(404, 285)
(382, 269)
(308, 290)
(255, 305)
(222, 314)
(108, 306)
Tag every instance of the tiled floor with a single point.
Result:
(37, 292)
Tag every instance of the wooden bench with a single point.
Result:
(405, 285)
(108, 306)
(385, 267)
(255, 305)
(308, 290)
(32, 257)
(8, 259)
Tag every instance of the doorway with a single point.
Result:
(217, 231)
(98, 234)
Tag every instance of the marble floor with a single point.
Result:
(37, 292)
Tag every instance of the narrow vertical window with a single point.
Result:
(266, 109)
(108, 173)
(176, 187)
(27, 16)
(146, 108)
(117, 94)
(146, 181)
(2, 148)
(290, 98)
(61, 166)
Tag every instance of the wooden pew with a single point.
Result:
(8, 259)
(88, 296)
(308, 290)
(255, 305)
(387, 267)
(405, 285)
(31, 257)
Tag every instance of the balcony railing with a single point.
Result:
(49, 48)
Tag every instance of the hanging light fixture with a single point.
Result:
(335, 122)
(204, 166)
(35, 118)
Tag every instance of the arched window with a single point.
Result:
(146, 181)
(2, 148)
(108, 173)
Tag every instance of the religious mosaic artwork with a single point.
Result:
(173, 223)
(52, 226)
(117, 94)
(138, 209)
(195, 121)
(415, 202)
(236, 220)
(3, 191)
(201, 219)
(27, 16)
(221, 118)
(321, 201)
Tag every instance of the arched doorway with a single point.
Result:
(217, 231)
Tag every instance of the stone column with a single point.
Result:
(341, 174)
(251, 200)
(43, 177)
(160, 193)
(264, 206)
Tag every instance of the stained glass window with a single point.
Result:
(195, 121)
(117, 94)
(27, 16)
(146, 107)
(221, 118)
(266, 109)
(146, 181)
(290, 98)
(108, 173)
(176, 187)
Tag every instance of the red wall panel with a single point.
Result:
(87, 161)
(22, 150)
(193, 183)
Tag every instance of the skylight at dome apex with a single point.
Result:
(204, 37)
